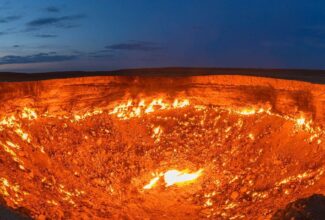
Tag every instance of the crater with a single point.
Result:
(123, 147)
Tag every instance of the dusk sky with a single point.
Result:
(63, 35)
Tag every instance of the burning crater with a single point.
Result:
(218, 147)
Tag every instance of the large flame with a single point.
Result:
(174, 177)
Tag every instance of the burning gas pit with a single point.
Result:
(218, 147)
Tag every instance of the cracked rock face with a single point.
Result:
(219, 147)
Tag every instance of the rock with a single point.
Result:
(243, 189)
(41, 217)
(312, 208)
(234, 195)
(205, 212)
(99, 141)
(9, 213)
(31, 175)
(21, 154)
(99, 182)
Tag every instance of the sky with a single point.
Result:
(91, 35)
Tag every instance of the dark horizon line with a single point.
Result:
(308, 75)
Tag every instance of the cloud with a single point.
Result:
(16, 46)
(102, 56)
(62, 21)
(135, 46)
(35, 58)
(9, 19)
(46, 35)
(52, 9)
(102, 53)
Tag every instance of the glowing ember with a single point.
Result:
(251, 136)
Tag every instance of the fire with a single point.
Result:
(133, 108)
(251, 136)
(247, 111)
(9, 143)
(78, 117)
(181, 104)
(152, 183)
(22, 134)
(8, 121)
(174, 177)
(29, 114)
(301, 121)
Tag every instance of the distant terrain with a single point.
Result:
(313, 76)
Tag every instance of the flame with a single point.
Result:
(157, 132)
(208, 203)
(181, 104)
(29, 113)
(9, 143)
(8, 121)
(175, 177)
(22, 134)
(247, 111)
(252, 110)
(10, 151)
(152, 183)
(133, 108)
(301, 121)
(78, 117)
